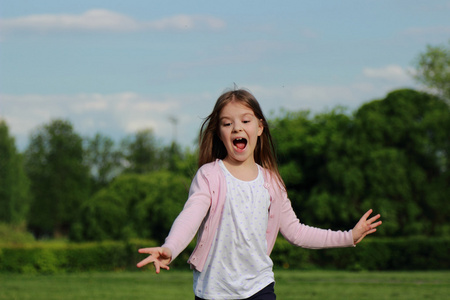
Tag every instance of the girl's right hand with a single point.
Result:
(160, 256)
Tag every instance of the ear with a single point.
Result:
(260, 127)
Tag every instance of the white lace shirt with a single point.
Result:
(238, 265)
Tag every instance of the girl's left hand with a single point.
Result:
(365, 227)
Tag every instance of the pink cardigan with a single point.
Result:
(203, 209)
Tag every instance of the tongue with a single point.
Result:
(240, 145)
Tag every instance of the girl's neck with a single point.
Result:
(246, 171)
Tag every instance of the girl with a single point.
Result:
(238, 204)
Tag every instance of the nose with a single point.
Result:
(237, 128)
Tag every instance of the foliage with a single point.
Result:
(415, 253)
(133, 205)
(11, 234)
(433, 69)
(391, 155)
(59, 179)
(174, 159)
(140, 152)
(103, 159)
(408, 167)
(49, 258)
(14, 184)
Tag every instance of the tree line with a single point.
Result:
(56, 185)
(390, 154)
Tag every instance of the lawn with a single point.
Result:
(178, 285)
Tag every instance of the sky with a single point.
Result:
(116, 67)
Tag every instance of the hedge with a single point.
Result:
(412, 253)
(373, 254)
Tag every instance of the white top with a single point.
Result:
(238, 265)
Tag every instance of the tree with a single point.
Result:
(103, 160)
(59, 178)
(14, 185)
(133, 205)
(391, 155)
(140, 152)
(174, 159)
(315, 163)
(407, 164)
(433, 70)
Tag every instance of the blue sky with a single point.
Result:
(116, 67)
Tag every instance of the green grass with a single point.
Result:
(178, 285)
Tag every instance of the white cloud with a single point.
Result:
(91, 20)
(117, 115)
(120, 114)
(185, 22)
(394, 73)
(101, 20)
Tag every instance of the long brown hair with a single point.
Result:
(211, 147)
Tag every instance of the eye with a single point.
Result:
(246, 121)
(226, 124)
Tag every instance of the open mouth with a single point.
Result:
(240, 143)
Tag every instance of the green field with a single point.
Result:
(178, 285)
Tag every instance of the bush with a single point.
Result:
(14, 234)
(415, 253)
(51, 257)
(133, 206)
(418, 253)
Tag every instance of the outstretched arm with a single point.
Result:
(365, 226)
(159, 256)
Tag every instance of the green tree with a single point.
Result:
(433, 70)
(141, 152)
(320, 175)
(391, 155)
(59, 178)
(174, 159)
(14, 184)
(406, 166)
(134, 205)
(103, 159)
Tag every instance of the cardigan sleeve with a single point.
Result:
(309, 237)
(190, 218)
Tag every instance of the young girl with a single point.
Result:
(238, 203)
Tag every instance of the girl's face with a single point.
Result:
(239, 130)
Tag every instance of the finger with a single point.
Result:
(374, 218)
(365, 234)
(367, 214)
(145, 261)
(371, 231)
(157, 267)
(148, 250)
(361, 238)
(374, 225)
(160, 265)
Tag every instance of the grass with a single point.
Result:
(178, 285)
